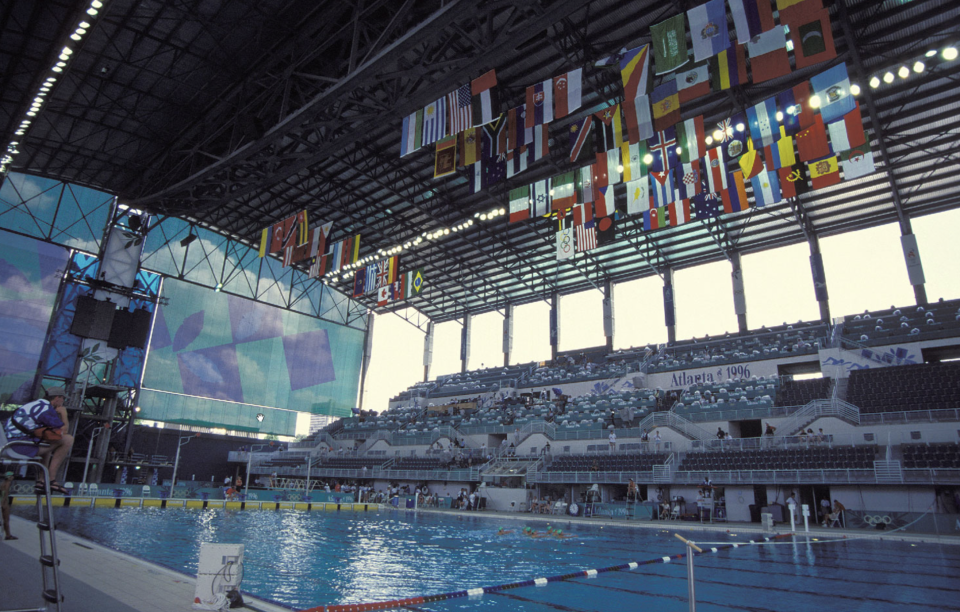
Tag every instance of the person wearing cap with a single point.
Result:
(38, 429)
(5, 504)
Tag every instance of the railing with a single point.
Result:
(792, 477)
(676, 422)
(888, 472)
(912, 416)
(738, 414)
(664, 473)
(816, 409)
(541, 427)
(591, 477)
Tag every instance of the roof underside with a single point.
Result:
(236, 114)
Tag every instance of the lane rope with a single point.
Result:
(535, 582)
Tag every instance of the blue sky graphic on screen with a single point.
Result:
(228, 348)
(30, 273)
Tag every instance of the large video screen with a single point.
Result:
(227, 348)
(30, 274)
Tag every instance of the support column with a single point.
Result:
(608, 324)
(101, 447)
(739, 299)
(367, 350)
(669, 306)
(819, 278)
(427, 351)
(907, 238)
(507, 335)
(465, 342)
(554, 325)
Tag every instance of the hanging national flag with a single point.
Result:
(446, 159)
(728, 68)
(359, 282)
(751, 18)
(580, 138)
(751, 164)
(734, 135)
(693, 83)
(519, 204)
(539, 146)
(768, 55)
(565, 248)
(606, 229)
(486, 101)
(766, 188)
(586, 236)
(540, 103)
(582, 213)
(665, 102)
(613, 165)
(735, 198)
(708, 29)
(634, 71)
(517, 132)
(632, 155)
(803, 109)
(762, 119)
(824, 172)
(605, 204)
(540, 197)
(315, 244)
(413, 283)
(716, 170)
(384, 296)
(608, 129)
(586, 191)
(638, 196)
(679, 212)
(459, 109)
(564, 191)
(566, 92)
(793, 180)
(664, 150)
(780, 153)
(601, 175)
(386, 271)
(847, 133)
(691, 139)
(517, 161)
(857, 162)
(370, 282)
(493, 138)
(412, 133)
(812, 142)
(791, 113)
(639, 121)
(664, 190)
(476, 176)
(707, 205)
(833, 88)
(495, 170)
(782, 4)
(688, 180)
(334, 257)
(434, 121)
(351, 251)
(266, 240)
(655, 218)
(471, 146)
(810, 31)
(669, 44)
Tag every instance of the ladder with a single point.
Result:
(49, 562)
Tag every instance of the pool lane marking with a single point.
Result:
(479, 591)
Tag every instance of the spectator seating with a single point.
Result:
(350, 463)
(937, 320)
(809, 458)
(904, 388)
(800, 392)
(417, 463)
(607, 462)
(935, 456)
(755, 392)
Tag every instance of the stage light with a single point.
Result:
(855, 89)
(888, 78)
(814, 101)
(949, 54)
(904, 72)
(874, 82)
(919, 66)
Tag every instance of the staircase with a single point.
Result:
(677, 423)
(813, 411)
(664, 473)
(541, 427)
(888, 472)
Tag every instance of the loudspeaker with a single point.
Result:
(129, 329)
(93, 319)
(140, 329)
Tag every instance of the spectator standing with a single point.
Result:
(613, 441)
(792, 506)
(656, 440)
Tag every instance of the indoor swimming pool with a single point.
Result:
(306, 559)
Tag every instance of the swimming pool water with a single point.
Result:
(301, 560)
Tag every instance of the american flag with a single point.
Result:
(586, 237)
(460, 109)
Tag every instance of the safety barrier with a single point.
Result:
(195, 504)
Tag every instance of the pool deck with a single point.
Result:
(98, 579)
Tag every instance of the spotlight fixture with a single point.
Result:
(874, 82)
(888, 78)
(903, 72)
(949, 54)
(855, 90)
(919, 66)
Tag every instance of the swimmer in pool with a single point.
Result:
(503, 531)
(558, 533)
